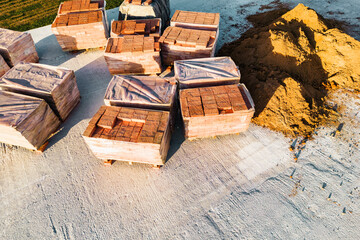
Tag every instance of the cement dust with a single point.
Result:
(290, 61)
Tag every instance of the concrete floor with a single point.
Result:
(243, 186)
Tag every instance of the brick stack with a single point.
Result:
(205, 72)
(26, 121)
(146, 92)
(138, 2)
(3, 66)
(133, 54)
(129, 134)
(57, 86)
(146, 27)
(181, 43)
(78, 6)
(219, 110)
(81, 27)
(17, 47)
(196, 20)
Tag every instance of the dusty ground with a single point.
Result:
(242, 186)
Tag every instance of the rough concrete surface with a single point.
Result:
(244, 186)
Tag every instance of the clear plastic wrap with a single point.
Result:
(206, 72)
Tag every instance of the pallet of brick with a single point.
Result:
(3, 66)
(196, 20)
(146, 92)
(218, 110)
(57, 86)
(206, 72)
(26, 121)
(83, 30)
(81, 6)
(133, 54)
(17, 47)
(181, 44)
(138, 2)
(129, 134)
(146, 27)
(145, 9)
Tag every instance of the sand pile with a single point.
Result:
(291, 63)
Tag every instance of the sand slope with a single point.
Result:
(291, 63)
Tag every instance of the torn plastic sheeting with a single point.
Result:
(206, 69)
(140, 89)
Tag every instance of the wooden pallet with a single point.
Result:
(219, 110)
(196, 20)
(57, 86)
(129, 134)
(206, 72)
(146, 27)
(26, 121)
(133, 54)
(17, 47)
(181, 44)
(83, 30)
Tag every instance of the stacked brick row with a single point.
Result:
(218, 110)
(136, 124)
(211, 99)
(191, 35)
(81, 24)
(146, 27)
(138, 2)
(34, 100)
(130, 134)
(16, 47)
(133, 54)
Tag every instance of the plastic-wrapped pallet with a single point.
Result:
(205, 72)
(129, 134)
(3, 66)
(146, 27)
(218, 110)
(196, 20)
(57, 86)
(26, 121)
(141, 10)
(147, 92)
(133, 54)
(17, 47)
(181, 44)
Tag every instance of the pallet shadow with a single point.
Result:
(92, 81)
